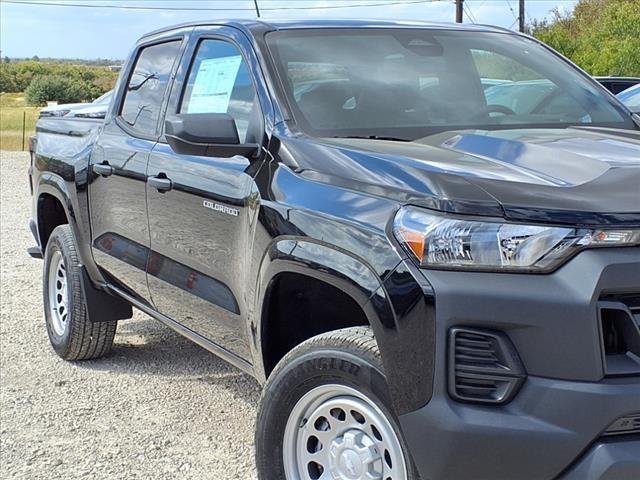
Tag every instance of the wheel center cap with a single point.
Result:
(354, 456)
(350, 463)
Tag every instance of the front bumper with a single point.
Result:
(610, 460)
(553, 427)
(538, 435)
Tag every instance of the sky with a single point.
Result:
(90, 33)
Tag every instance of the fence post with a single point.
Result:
(24, 127)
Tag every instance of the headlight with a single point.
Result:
(90, 115)
(437, 241)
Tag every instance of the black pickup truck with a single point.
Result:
(423, 239)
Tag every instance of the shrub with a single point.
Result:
(6, 81)
(46, 88)
(16, 76)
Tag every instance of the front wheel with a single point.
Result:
(326, 414)
(72, 334)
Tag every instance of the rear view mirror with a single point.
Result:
(206, 134)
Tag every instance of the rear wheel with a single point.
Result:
(72, 334)
(326, 414)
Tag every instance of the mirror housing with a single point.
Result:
(207, 135)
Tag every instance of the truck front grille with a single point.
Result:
(624, 426)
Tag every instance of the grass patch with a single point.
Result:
(12, 109)
(12, 100)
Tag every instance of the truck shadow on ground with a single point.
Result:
(146, 347)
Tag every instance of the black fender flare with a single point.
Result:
(52, 184)
(101, 306)
(399, 307)
(335, 267)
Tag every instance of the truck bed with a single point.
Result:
(65, 139)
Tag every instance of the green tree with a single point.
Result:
(601, 36)
(24, 73)
(18, 75)
(48, 88)
(6, 80)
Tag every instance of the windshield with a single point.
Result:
(409, 83)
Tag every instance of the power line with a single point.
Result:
(212, 9)
(470, 15)
(512, 12)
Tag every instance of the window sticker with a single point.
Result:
(214, 84)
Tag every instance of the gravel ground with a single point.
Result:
(158, 406)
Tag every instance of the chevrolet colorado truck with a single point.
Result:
(423, 239)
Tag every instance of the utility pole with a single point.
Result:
(257, 9)
(459, 10)
(521, 17)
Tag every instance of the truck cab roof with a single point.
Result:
(256, 26)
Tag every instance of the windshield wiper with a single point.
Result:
(374, 137)
(146, 78)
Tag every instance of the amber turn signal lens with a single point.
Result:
(414, 240)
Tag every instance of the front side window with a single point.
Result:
(147, 86)
(219, 82)
(408, 83)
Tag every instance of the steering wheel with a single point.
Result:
(493, 109)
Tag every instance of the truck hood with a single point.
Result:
(584, 176)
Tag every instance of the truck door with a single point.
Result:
(120, 230)
(203, 210)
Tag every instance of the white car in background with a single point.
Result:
(59, 110)
(68, 109)
(631, 98)
(97, 109)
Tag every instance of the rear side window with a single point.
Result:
(220, 82)
(147, 86)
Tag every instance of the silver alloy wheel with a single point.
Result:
(335, 432)
(58, 294)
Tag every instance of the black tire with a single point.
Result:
(348, 357)
(78, 338)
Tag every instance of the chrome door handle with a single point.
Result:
(103, 169)
(162, 184)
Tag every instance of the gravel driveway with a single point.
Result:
(158, 406)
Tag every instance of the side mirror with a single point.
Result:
(206, 134)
